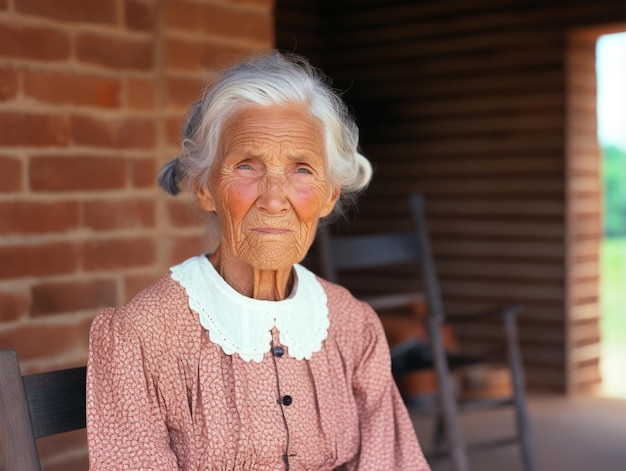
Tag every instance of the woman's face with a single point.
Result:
(269, 185)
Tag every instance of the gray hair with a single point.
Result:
(269, 79)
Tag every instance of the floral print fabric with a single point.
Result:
(161, 396)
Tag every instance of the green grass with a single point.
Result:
(613, 317)
(613, 291)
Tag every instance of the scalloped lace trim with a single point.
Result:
(242, 325)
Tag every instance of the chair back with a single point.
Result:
(354, 254)
(339, 253)
(36, 406)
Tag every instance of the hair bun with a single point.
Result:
(169, 177)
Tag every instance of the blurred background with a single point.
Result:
(611, 73)
(507, 115)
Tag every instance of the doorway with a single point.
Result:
(594, 322)
(611, 85)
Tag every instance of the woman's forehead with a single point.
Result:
(290, 125)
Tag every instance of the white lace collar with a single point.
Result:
(243, 325)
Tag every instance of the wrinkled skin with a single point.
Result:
(269, 187)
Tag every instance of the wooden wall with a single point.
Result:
(467, 103)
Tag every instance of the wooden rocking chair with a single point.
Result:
(356, 254)
(36, 406)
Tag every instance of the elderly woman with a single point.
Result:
(242, 359)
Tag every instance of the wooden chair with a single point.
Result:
(353, 255)
(36, 406)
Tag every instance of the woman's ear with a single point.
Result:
(205, 199)
(332, 201)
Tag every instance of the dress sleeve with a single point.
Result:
(125, 425)
(388, 439)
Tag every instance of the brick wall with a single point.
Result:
(92, 95)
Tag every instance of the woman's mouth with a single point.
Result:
(270, 230)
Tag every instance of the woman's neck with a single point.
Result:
(270, 285)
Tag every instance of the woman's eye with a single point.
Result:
(304, 170)
(244, 167)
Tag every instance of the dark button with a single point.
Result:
(278, 351)
(287, 400)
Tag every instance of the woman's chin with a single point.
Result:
(274, 266)
(272, 255)
(275, 261)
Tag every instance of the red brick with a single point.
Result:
(74, 359)
(238, 23)
(13, 305)
(182, 92)
(8, 83)
(194, 55)
(65, 443)
(135, 283)
(25, 129)
(23, 42)
(181, 248)
(112, 254)
(52, 258)
(178, 213)
(115, 52)
(183, 15)
(10, 174)
(143, 173)
(126, 214)
(75, 89)
(56, 173)
(46, 340)
(182, 54)
(56, 297)
(102, 11)
(141, 94)
(137, 133)
(183, 214)
(139, 16)
(69, 462)
(29, 217)
(173, 129)
(267, 4)
(131, 133)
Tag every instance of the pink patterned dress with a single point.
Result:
(164, 394)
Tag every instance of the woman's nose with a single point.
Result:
(273, 194)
